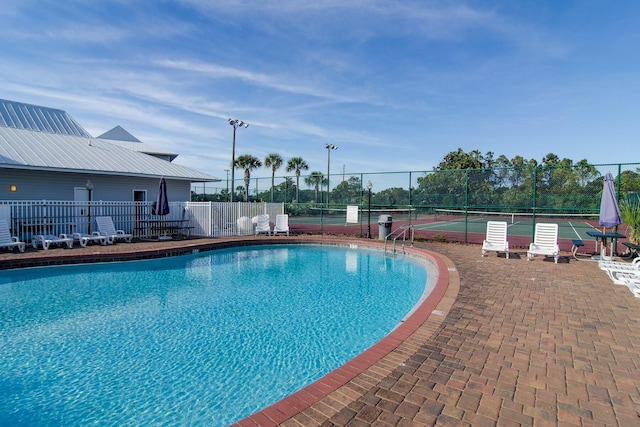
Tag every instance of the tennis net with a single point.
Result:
(588, 219)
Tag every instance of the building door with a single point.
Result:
(82, 218)
(140, 210)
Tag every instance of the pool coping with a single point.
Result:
(331, 393)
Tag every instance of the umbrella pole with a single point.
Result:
(165, 236)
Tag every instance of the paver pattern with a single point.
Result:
(517, 343)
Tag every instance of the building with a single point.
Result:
(46, 155)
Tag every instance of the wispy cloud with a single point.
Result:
(214, 71)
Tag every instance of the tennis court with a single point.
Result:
(457, 225)
(570, 226)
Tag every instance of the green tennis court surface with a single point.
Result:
(566, 229)
(569, 226)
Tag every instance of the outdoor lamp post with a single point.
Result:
(369, 187)
(89, 187)
(329, 148)
(236, 124)
(227, 171)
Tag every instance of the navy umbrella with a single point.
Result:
(162, 202)
(609, 211)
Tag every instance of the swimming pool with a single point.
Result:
(171, 341)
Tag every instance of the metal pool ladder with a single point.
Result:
(403, 231)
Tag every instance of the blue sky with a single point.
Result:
(396, 85)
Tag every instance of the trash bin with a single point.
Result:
(384, 226)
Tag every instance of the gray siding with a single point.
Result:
(39, 185)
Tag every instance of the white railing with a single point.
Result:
(29, 218)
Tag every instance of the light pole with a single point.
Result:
(89, 187)
(369, 187)
(227, 171)
(329, 148)
(236, 124)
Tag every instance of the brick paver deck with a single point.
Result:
(513, 343)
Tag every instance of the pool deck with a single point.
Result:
(508, 342)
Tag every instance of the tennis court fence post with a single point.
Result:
(466, 205)
(533, 202)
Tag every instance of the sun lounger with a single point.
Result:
(83, 238)
(631, 280)
(616, 269)
(46, 240)
(107, 229)
(8, 241)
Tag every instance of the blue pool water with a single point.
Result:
(204, 339)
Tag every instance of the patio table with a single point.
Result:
(601, 239)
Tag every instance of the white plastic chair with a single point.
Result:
(262, 224)
(282, 224)
(632, 281)
(545, 241)
(46, 240)
(8, 241)
(106, 228)
(245, 226)
(619, 271)
(496, 239)
(83, 238)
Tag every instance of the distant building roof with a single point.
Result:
(120, 136)
(41, 138)
(118, 133)
(18, 115)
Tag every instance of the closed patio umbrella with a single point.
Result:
(162, 206)
(609, 211)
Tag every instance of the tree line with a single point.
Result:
(470, 179)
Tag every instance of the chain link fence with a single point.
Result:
(528, 193)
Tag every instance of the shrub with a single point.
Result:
(630, 210)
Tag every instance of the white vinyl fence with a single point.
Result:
(202, 219)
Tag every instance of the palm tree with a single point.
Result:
(315, 180)
(248, 163)
(297, 164)
(274, 161)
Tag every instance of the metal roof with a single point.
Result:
(119, 133)
(120, 136)
(18, 115)
(32, 150)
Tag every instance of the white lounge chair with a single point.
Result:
(245, 226)
(46, 240)
(632, 281)
(618, 271)
(496, 239)
(545, 241)
(282, 224)
(8, 241)
(83, 238)
(107, 229)
(262, 224)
